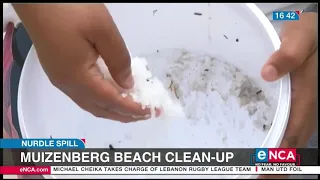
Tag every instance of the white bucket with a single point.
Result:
(237, 38)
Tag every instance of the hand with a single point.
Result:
(298, 56)
(68, 39)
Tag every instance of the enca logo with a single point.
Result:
(270, 155)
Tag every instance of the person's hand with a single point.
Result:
(68, 39)
(298, 55)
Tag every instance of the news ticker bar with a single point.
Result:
(158, 170)
(164, 157)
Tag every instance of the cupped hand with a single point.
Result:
(68, 39)
(298, 55)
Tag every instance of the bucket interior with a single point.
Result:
(214, 53)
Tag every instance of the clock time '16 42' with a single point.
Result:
(285, 15)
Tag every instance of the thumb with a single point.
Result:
(290, 56)
(297, 44)
(113, 50)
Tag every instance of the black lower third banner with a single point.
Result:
(165, 161)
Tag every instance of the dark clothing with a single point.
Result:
(311, 8)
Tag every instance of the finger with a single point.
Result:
(107, 96)
(128, 106)
(103, 92)
(125, 105)
(100, 112)
(112, 48)
(297, 44)
(290, 56)
(108, 114)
